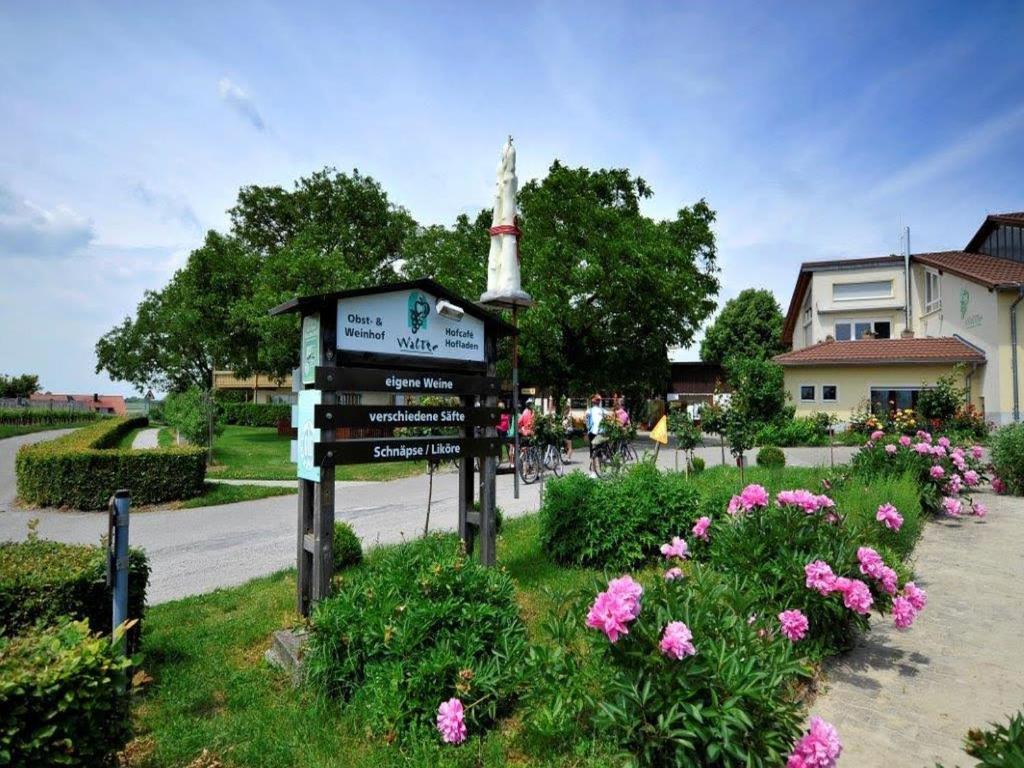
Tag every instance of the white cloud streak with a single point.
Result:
(240, 101)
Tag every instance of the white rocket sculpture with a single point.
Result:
(503, 279)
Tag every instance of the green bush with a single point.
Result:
(413, 626)
(82, 470)
(255, 414)
(347, 549)
(1008, 457)
(46, 416)
(803, 430)
(41, 580)
(617, 522)
(64, 699)
(1002, 746)
(194, 414)
(771, 457)
(697, 465)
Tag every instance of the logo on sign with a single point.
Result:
(969, 321)
(419, 311)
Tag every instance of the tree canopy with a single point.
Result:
(749, 327)
(23, 385)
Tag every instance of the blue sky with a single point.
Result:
(814, 129)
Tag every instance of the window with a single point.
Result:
(807, 393)
(829, 393)
(885, 400)
(845, 330)
(932, 291)
(873, 289)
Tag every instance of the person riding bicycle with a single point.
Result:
(595, 429)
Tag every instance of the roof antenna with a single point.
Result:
(906, 277)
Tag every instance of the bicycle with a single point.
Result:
(534, 460)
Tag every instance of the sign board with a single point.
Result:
(404, 382)
(393, 416)
(310, 349)
(365, 451)
(407, 323)
(308, 435)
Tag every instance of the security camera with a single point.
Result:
(449, 310)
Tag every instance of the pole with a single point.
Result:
(122, 502)
(515, 400)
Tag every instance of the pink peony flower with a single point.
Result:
(888, 579)
(937, 472)
(923, 436)
(938, 450)
(903, 612)
(614, 608)
(917, 596)
(976, 451)
(922, 448)
(451, 721)
(794, 624)
(955, 485)
(818, 748)
(700, 528)
(978, 509)
(676, 548)
(754, 496)
(944, 442)
(905, 441)
(735, 506)
(870, 561)
(673, 573)
(799, 498)
(951, 506)
(676, 641)
(877, 435)
(891, 449)
(888, 515)
(856, 595)
(823, 502)
(998, 485)
(972, 478)
(820, 577)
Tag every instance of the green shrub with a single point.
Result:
(194, 414)
(1008, 457)
(347, 549)
(255, 414)
(82, 470)
(697, 465)
(804, 430)
(413, 626)
(771, 457)
(46, 416)
(41, 580)
(1002, 746)
(617, 522)
(62, 692)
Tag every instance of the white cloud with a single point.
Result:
(240, 101)
(30, 231)
(169, 207)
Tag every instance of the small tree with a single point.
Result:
(713, 420)
(759, 390)
(686, 433)
(740, 432)
(25, 385)
(941, 402)
(195, 415)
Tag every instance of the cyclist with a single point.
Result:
(525, 422)
(621, 413)
(595, 429)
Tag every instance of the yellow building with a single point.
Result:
(872, 333)
(259, 388)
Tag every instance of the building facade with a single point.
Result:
(870, 334)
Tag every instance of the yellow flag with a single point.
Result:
(660, 432)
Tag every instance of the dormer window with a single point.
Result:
(932, 291)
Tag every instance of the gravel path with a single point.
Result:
(146, 438)
(906, 698)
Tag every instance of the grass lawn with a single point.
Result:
(13, 430)
(224, 493)
(212, 690)
(259, 453)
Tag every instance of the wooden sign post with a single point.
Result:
(384, 344)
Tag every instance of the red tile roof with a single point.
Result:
(945, 349)
(99, 403)
(977, 267)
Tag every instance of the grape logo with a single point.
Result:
(965, 300)
(419, 311)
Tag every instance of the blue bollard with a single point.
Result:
(119, 547)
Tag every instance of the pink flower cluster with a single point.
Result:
(700, 528)
(872, 564)
(906, 606)
(451, 721)
(675, 548)
(889, 517)
(673, 573)
(677, 641)
(614, 608)
(856, 594)
(749, 498)
(820, 577)
(807, 501)
(794, 624)
(818, 748)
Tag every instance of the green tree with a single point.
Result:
(686, 432)
(180, 333)
(195, 415)
(613, 288)
(748, 327)
(759, 391)
(24, 385)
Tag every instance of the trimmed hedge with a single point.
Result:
(771, 457)
(64, 698)
(42, 580)
(46, 416)
(82, 471)
(254, 414)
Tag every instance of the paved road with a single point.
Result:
(197, 550)
(146, 439)
(907, 698)
(8, 451)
